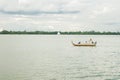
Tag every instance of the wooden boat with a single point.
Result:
(84, 44)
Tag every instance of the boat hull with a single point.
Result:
(85, 44)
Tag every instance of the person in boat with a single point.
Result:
(78, 42)
(91, 41)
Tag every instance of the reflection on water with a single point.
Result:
(28, 57)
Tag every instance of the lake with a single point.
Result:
(53, 57)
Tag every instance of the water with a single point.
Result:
(53, 57)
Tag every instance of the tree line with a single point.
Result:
(63, 33)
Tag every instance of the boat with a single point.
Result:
(84, 44)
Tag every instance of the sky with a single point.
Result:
(60, 15)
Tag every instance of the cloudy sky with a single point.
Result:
(65, 15)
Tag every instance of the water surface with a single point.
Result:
(53, 57)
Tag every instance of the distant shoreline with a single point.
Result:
(60, 33)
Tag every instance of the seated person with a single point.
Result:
(78, 42)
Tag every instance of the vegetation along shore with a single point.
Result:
(60, 32)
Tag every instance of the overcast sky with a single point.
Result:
(65, 15)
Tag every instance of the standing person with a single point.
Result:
(90, 41)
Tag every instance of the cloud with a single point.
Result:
(101, 10)
(61, 14)
(33, 7)
(21, 12)
(24, 1)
